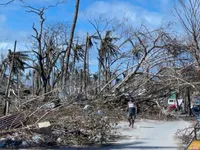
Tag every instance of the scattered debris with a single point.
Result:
(11, 121)
(70, 123)
(44, 124)
(186, 134)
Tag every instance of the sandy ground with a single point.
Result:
(146, 135)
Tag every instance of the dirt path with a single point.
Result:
(147, 135)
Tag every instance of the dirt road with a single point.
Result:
(147, 135)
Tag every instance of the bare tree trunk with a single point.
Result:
(38, 83)
(62, 61)
(88, 69)
(189, 101)
(106, 68)
(184, 99)
(85, 63)
(73, 66)
(18, 79)
(81, 80)
(33, 82)
(52, 78)
(178, 107)
(108, 71)
(6, 107)
(3, 73)
(99, 72)
(70, 42)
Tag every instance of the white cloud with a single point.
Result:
(153, 18)
(41, 1)
(5, 45)
(10, 35)
(121, 9)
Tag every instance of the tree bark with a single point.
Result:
(177, 95)
(33, 82)
(99, 70)
(189, 101)
(18, 81)
(3, 72)
(70, 43)
(85, 63)
(81, 80)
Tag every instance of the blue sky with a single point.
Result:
(16, 23)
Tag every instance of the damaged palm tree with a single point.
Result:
(7, 103)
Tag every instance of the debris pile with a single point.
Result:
(54, 119)
(47, 124)
(186, 134)
(149, 109)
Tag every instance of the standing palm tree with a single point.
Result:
(19, 61)
(107, 51)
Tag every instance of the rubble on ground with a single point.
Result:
(186, 134)
(42, 123)
(54, 120)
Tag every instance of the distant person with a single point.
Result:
(182, 107)
(131, 113)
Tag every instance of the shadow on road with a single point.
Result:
(131, 145)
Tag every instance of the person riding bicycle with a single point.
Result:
(131, 112)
